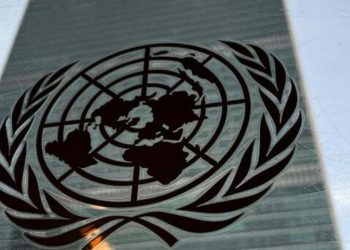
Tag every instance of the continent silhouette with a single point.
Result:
(170, 112)
(164, 160)
(74, 150)
(114, 113)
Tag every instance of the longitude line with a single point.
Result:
(178, 83)
(65, 175)
(218, 104)
(71, 122)
(207, 59)
(204, 156)
(136, 174)
(135, 184)
(99, 85)
(145, 73)
(99, 147)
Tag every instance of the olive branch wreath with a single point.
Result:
(35, 211)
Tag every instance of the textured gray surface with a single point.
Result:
(294, 216)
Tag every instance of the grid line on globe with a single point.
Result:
(168, 90)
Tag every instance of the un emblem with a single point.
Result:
(168, 136)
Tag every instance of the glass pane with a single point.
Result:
(294, 215)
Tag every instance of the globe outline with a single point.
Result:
(90, 200)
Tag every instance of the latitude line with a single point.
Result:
(204, 156)
(218, 104)
(181, 81)
(71, 122)
(99, 85)
(135, 183)
(145, 73)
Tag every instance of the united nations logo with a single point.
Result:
(167, 136)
